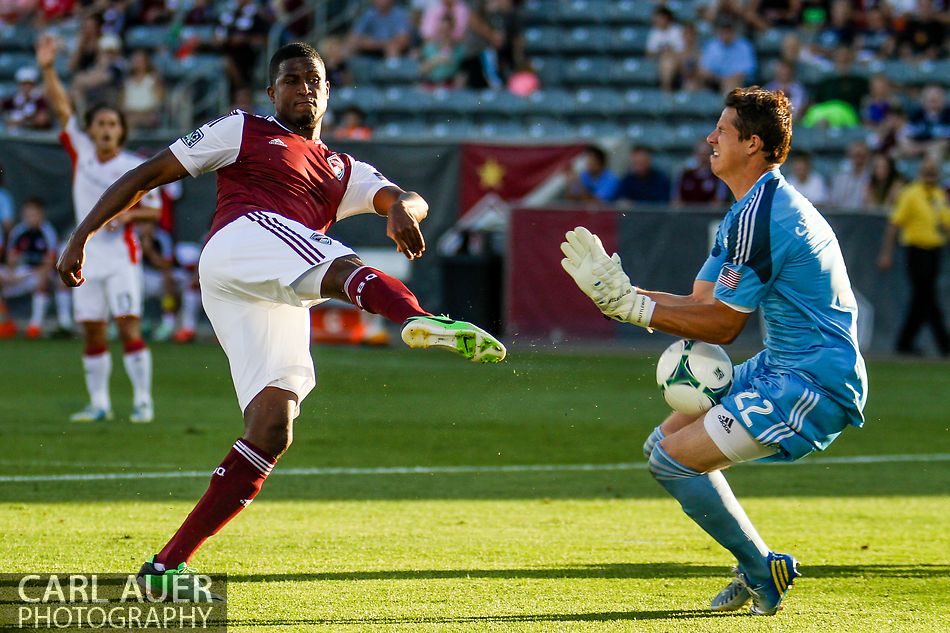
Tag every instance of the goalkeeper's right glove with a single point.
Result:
(603, 280)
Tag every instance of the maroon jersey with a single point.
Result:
(263, 166)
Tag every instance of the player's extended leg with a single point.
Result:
(138, 365)
(688, 463)
(370, 289)
(268, 433)
(97, 364)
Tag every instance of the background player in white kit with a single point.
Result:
(268, 260)
(114, 277)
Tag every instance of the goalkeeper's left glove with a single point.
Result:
(603, 280)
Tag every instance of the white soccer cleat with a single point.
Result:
(735, 596)
(460, 337)
(142, 414)
(91, 414)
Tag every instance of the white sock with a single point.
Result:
(138, 365)
(168, 320)
(190, 304)
(98, 368)
(64, 309)
(40, 303)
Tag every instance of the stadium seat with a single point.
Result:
(628, 40)
(454, 101)
(543, 39)
(598, 101)
(633, 71)
(629, 12)
(540, 127)
(11, 62)
(638, 103)
(203, 34)
(412, 101)
(456, 129)
(150, 37)
(583, 11)
(204, 66)
(587, 71)
(17, 37)
(769, 43)
(935, 71)
(501, 102)
(368, 98)
(692, 105)
(550, 70)
(554, 102)
(7, 89)
(499, 131)
(599, 130)
(539, 12)
(397, 70)
(400, 130)
(586, 39)
(654, 136)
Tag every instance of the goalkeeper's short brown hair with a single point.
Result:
(766, 114)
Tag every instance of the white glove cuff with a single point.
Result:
(642, 312)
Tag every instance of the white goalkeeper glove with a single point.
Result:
(602, 279)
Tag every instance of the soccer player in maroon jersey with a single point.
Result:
(267, 260)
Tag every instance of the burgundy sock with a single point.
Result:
(234, 484)
(376, 292)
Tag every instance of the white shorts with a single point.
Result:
(118, 294)
(246, 272)
(732, 438)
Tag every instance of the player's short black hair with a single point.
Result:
(597, 153)
(101, 107)
(766, 114)
(290, 51)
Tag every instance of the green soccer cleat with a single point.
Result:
(181, 584)
(91, 414)
(460, 337)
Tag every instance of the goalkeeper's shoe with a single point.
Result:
(735, 596)
(181, 584)
(91, 414)
(460, 337)
(767, 597)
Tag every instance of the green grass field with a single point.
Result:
(489, 547)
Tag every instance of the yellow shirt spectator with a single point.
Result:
(922, 214)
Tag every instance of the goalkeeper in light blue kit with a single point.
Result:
(773, 252)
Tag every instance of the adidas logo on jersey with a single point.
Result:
(277, 141)
(726, 422)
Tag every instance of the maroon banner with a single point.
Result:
(509, 171)
(542, 300)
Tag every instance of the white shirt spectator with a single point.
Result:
(813, 188)
(670, 38)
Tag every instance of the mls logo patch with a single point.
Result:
(336, 164)
(323, 239)
(190, 140)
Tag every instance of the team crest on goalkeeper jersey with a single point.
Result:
(336, 164)
(729, 277)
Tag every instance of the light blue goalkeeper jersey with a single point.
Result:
(774, 251)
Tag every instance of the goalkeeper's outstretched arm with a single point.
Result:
(602, 278)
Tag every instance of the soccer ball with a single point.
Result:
(693, 376)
